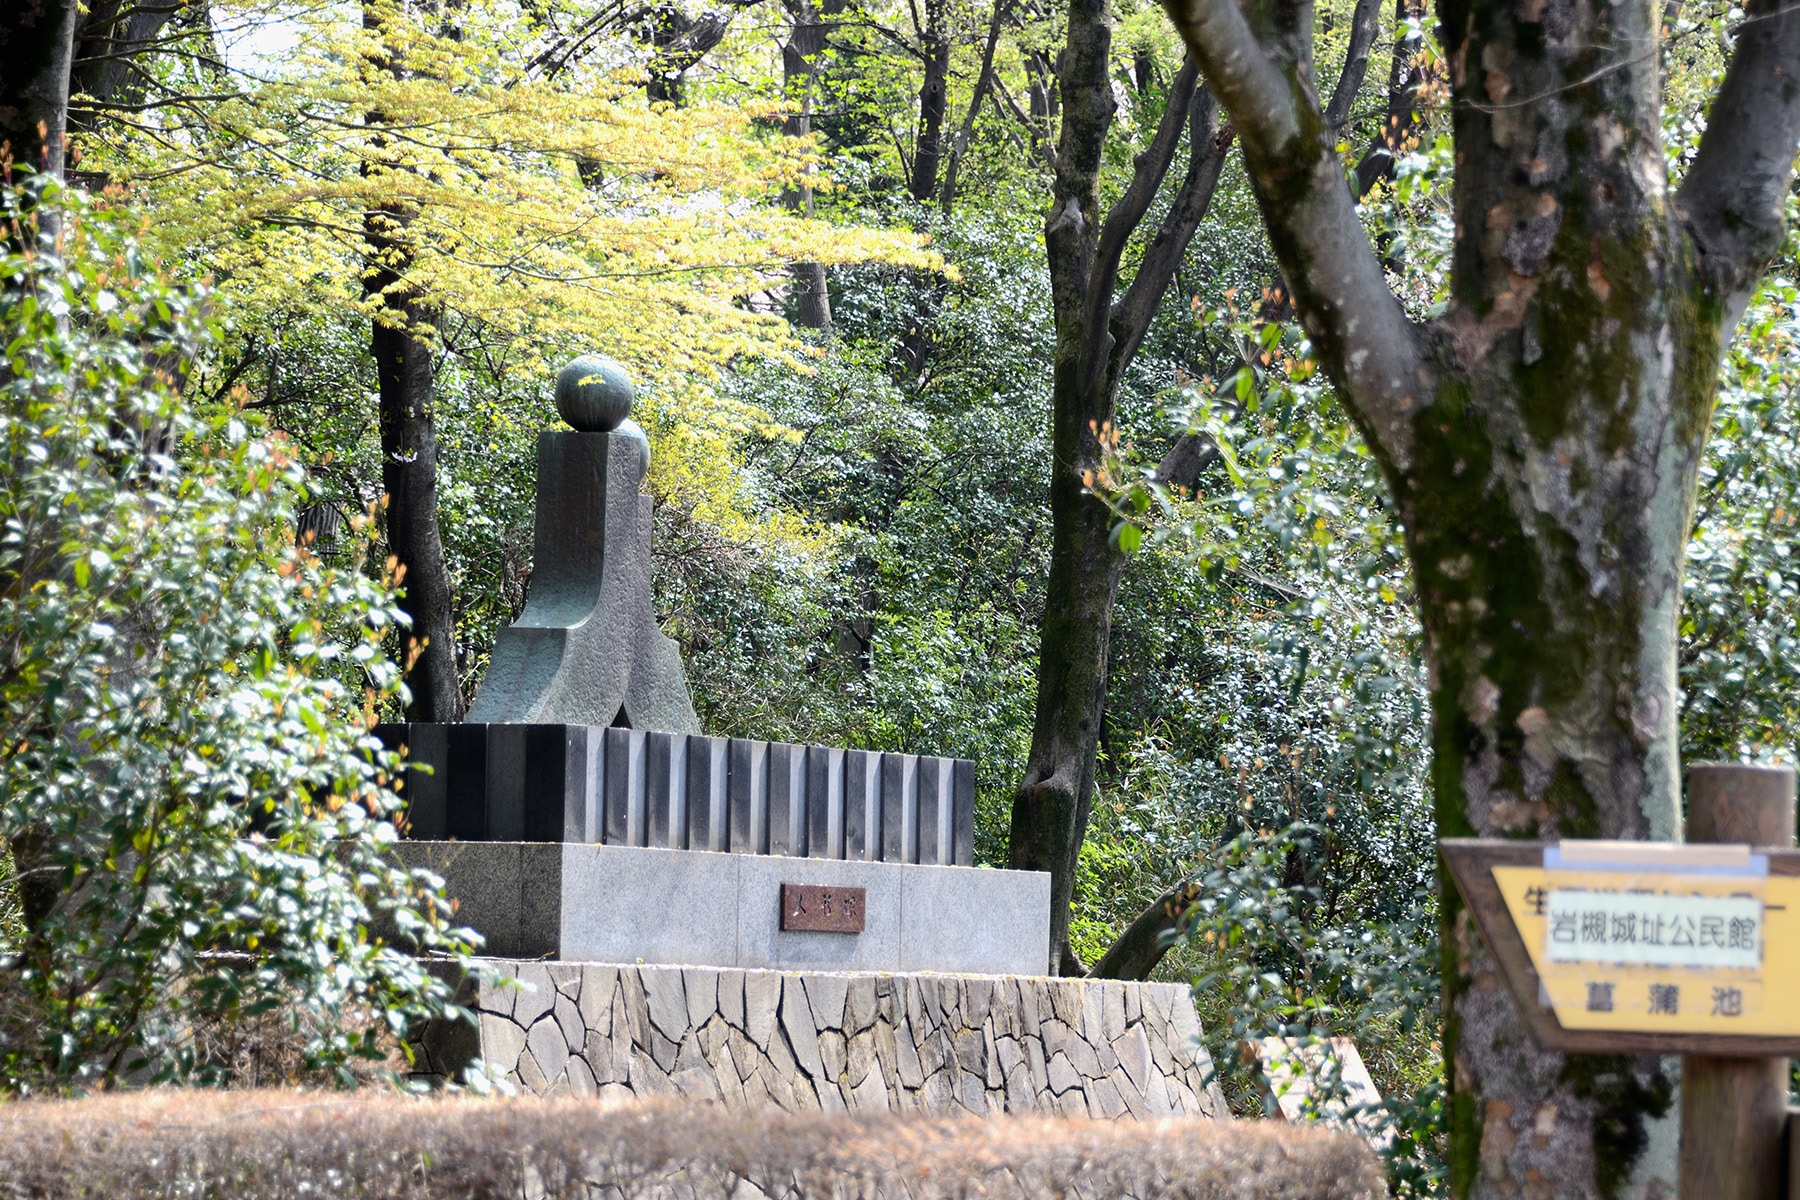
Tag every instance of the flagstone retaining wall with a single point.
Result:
(861, 1042)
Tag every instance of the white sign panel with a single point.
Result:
(1653, 928)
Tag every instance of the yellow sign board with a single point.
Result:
(1663, 939)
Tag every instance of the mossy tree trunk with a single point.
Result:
(1542, 441)
(1099, 328)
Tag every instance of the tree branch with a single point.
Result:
(1148, 169)
(1736, 189)
(1365, 23)
(983, 82)
(1142, 945)
(1374, 356)
(1207, 142)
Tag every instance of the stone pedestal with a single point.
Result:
(630, 904)
(809, 1041)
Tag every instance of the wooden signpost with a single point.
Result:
(1666, 948)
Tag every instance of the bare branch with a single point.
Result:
(1186, 460)
(1737, 187)
(1372, 353)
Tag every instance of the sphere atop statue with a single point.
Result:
(593, 393)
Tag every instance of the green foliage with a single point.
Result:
(1740, 627)
(1283, 958)
(199, 824)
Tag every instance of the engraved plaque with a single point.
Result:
(806, 906)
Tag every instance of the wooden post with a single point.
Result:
(1733, 1110)
(1793, 1154)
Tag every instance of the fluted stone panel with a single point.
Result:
(679, 791)
(806, 1041)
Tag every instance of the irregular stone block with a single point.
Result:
(1021, 1096)
(911, 1067)
(731, 998)
(1034, 1059)
(1133, 1051)
(568, 1020)
(762, 998)
(1112, 1009)
(1063, 1074)
(859, 1059)
(581, 1078)
(536, 994)
(501, 1042)
(531, 1076)
(834, 1055)
(862, 1008)
(702, 989)
(598, 985)
(797, 1023)
(667, 1000)
(1084, 1059)
(972, 1095)
(548, 1049)
(871, 1095)
(1104, 1100)
(825, 995)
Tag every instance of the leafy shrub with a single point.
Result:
(263, 1145)
(198, 822)
(1280, 962)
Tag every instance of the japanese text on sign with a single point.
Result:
(1653, 928)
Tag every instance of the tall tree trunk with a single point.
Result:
(1097, 338)
(405, 367)
(984, 83)
(1400, 123)
(1542, 441)
(37, 39)
(934, 99)
(799, 74)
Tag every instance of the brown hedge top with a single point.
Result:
(280, 1144)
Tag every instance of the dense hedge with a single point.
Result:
(265, 1145)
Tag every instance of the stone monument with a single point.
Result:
(586, 650)
(755, 922)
